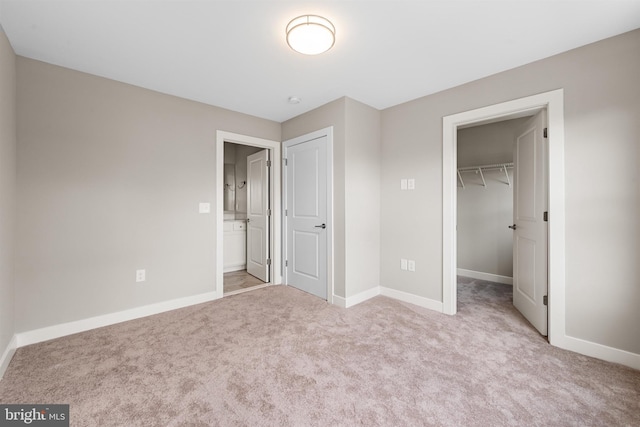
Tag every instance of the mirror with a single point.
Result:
(229, 187)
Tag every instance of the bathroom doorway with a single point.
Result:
(246, 247)
(248, 213)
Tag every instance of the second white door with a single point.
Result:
(530, 278)
(306, 215)
(258, 215)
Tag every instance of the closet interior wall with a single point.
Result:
(485, 203)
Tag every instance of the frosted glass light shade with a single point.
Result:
(310, 34)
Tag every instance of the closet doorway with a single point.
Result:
(502, 235)
(247, 213)
(554, 244)
(485, 200)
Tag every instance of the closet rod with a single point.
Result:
(494, 166)
(479, 169)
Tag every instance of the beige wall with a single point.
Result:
(602, 160)
(362, 197)
(109, 181)
(7, 189)
(485, 244)
(356, 183)
(488, 144)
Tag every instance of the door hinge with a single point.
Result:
(268, 261)
(286, 212)
(545, 216)
(544, 132)
(268, 212)
(286, 263)
(285, 162)
(545, 300)
(268, 163)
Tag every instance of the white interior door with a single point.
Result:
(306, 216)
(530, 277)
(258, 215)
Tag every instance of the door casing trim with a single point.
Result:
(275, 200)
(553, 101)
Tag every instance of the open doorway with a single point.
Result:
(553, 103)
(501, 228)
(248, 241)
(246, 254)
(485, 200)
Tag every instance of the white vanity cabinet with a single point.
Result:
(235, 245)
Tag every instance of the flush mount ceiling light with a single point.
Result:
(310, 34)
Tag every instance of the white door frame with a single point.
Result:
(274, 199)
(328, 132)
(553, 101)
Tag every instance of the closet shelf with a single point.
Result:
(480, 168)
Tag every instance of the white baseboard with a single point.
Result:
(412, 299)
(339, 301)
(485, 276)
(7, 354)
(233, 268)
(64, 329)
(391, 293)
(599, 351)
(362, 296)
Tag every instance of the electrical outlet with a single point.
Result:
(411, 264)
(141, 275)
(204, 208)
(403, 184)
(411, 184)
(403, 264)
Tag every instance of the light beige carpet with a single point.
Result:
(279, 357)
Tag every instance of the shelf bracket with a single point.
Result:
(460, 178)
(504, 168)
(484, 183)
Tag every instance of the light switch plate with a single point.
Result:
(403, 264)
(141, 275)
(403, 184)
(204, 207)
(412, 265)
(411, 184)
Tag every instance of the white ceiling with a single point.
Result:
(233, 54)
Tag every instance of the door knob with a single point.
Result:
(321, 226)
(513, 227)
